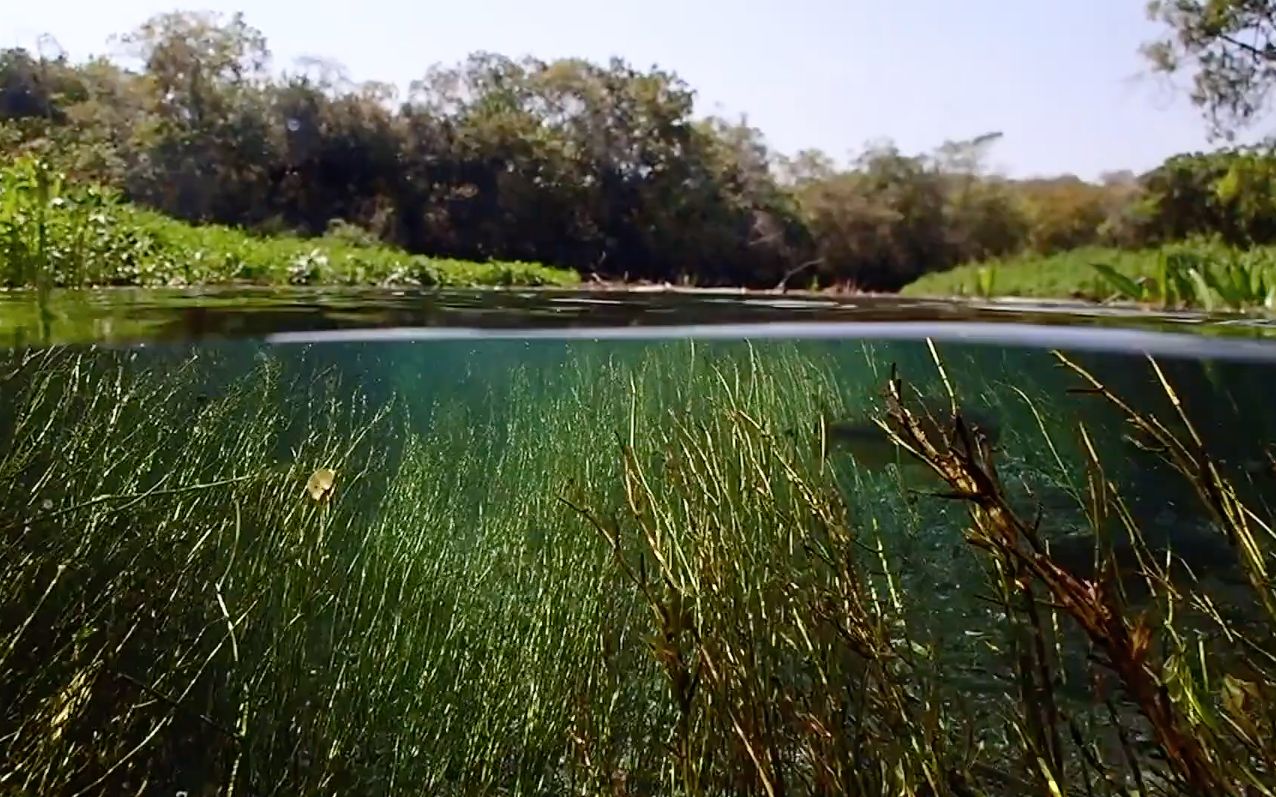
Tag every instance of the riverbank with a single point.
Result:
(1196, 275)
(56, 234)
(59, 234)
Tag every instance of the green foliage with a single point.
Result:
(1063, 274)
(54, 233)
(893, 217)
(597, 167)
(1069, 213)
(1229, 48)
(1227, 193)
(1197, 274)
(1193, 279)
(986, 280)
(600, 168)
(176, 627)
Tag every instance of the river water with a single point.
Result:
(596, 543)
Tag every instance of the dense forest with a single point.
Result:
(604, 168)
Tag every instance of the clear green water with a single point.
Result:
(466, 605)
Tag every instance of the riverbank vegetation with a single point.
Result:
(603, 169)
(1196, 274)
(54, 233)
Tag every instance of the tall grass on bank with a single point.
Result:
(1198, 274)
(54, 233)
(646, 575)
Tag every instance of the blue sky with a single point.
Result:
(1062, 79)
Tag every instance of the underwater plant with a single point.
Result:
(647, 571)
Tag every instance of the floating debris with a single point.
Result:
(320, 483)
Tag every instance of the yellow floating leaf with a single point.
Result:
(320, 483)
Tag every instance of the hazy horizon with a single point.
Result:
(1066, 86)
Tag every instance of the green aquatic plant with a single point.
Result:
(1209, 745)
(50, 233)
(986, 281)
(148, 571)
(1194, 274)
(180, 586)
(1181, 278)
(762, 608)
(634, 572)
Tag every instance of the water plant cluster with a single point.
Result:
(1199, 274)
(1239, 282)
(55, 233)
(641, 572)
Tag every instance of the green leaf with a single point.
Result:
(1204, 296)
(986, 279)
(1227, 289)
(1125, 286)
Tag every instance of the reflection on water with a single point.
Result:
(614, 566)
(133, 315)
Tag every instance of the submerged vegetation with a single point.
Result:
(636, 572)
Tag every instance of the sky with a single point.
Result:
(1062, 80)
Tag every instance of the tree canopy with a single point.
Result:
(601, 167)
(1229, 49)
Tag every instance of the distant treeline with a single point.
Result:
(602, 168)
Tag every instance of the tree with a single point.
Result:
(984, 217)
(1065, 212)
(194, 60)
(1228, 194)
(880, 224)
(598, 166)
(206, 137)
(1229, 46)
(337, 156)
(25, 90)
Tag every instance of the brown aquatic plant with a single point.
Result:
(960, 456)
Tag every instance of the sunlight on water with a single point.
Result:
(632, 560)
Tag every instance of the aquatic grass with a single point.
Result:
(761, 612)
(1162, 668)
(131, 544)
(46, 228)
(432, 629)
(639, 570)
(505, 627)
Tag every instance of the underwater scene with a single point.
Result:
(667, 566)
